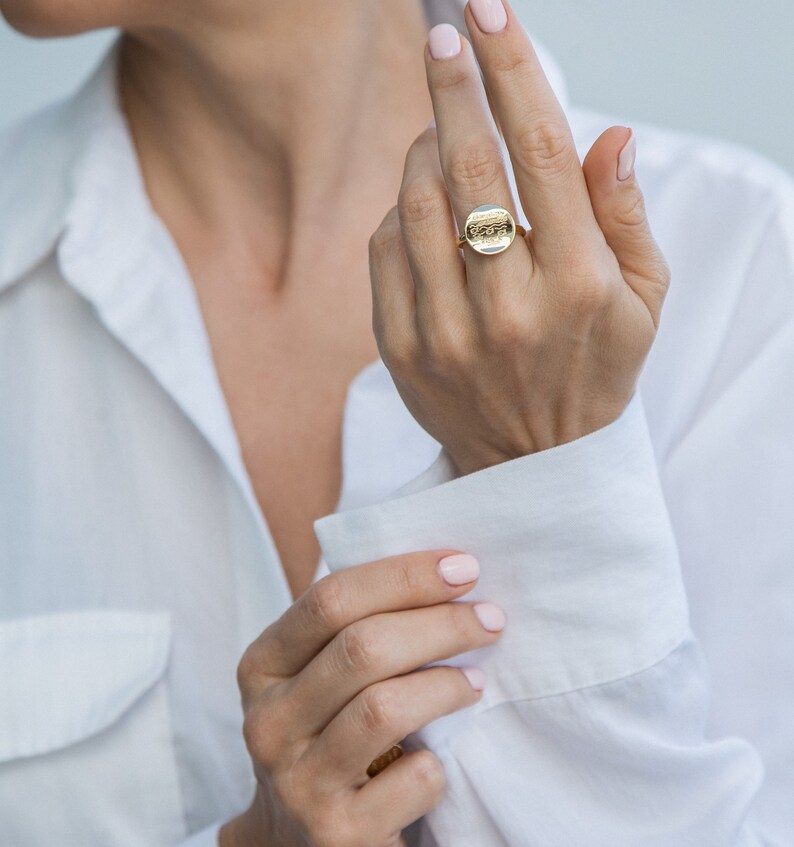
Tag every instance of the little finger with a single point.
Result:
(393, 292)
(429, 235)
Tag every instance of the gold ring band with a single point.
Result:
(490, 230)
(383, 761)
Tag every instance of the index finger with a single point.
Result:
(398, 583)
(548, 173)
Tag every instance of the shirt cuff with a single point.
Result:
(574, 543)
(204, 838)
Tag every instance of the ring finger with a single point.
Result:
(471, 154)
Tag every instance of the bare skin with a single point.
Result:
(273, 218)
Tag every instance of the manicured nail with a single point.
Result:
(459, 569)
(443, 41)
(476, 678)
(626, 158)
(491, 617)
(490, 15)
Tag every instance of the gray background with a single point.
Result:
(721, 67)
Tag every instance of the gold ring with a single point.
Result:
(490, 230)
(383, 761)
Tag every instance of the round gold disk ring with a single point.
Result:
(490, 230)
(384, 760)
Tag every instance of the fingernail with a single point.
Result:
(476, 678)
(491, 617)
(459, 569)
(627, 158)
(443, 41)
(431, 124)
(490, 15)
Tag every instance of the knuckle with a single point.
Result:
(444, 350)
(429, 776)
(386, 239)
(514, 63)
(663, 276)
(359, 648)
(592, 294)
(475, 165)
(460, 621)
(325, 604)
(380, 708)
(545, 145)
(632, 215)
(454, 77)
(248, 671)
(398, 351)
(505, 328)
(422, 200)
(658, 280)
(254, 670)
(261, 737)
(404, 580)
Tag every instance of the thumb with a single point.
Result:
(619, 208)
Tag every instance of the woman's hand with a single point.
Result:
(505, 355)
(334, 683)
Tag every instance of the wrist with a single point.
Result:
(546, 437)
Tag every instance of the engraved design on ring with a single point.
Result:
(489, 230)
(383, 761)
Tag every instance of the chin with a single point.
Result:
(53, 18)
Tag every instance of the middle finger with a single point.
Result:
(549, 176)
(384, 646)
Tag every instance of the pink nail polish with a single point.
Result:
(627, 158)
(459, 569)
(476, 678)
(491, 617)
(443, 41)
(490, 15)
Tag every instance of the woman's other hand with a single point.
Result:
(508, 354)
(334, 683)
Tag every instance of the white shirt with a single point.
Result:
(643, 691)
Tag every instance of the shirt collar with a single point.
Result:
(41, 160)
(68, 167)
(79, 198)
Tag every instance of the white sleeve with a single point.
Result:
(590, 730)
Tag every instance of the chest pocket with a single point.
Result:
(86, 744)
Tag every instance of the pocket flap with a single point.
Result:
(69, 675)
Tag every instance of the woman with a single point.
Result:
(184, 305)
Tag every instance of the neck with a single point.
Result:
(289, 119)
